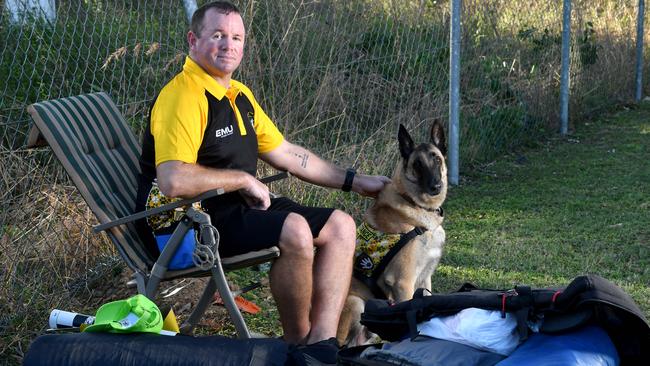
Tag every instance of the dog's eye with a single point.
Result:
(417, 165)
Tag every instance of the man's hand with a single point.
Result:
(369, 185)
(256, 194)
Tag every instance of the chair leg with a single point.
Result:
(140, 282)
(206, 299)
(218, 282)
(219, 278)
(210, 240)
(159, 268)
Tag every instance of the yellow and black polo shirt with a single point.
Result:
(195, 119)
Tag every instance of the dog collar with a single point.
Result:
(408, 199)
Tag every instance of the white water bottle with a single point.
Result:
(66, 319)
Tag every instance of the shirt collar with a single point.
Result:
(205, 80)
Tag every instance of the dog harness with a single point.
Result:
(374, 251)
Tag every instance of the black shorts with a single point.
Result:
(243, 229)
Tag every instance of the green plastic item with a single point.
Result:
(133, 315)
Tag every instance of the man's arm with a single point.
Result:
(309, 167)
(179, 179)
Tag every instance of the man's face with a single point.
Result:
(220, 46)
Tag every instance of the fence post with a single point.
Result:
(564, 80)
(190, 8)
(454, 92)
(639, 50)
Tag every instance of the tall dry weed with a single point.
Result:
(49, 254)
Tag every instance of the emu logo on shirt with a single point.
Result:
(223, 132)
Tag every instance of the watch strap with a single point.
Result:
(349, 178)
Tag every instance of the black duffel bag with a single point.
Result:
(588, 299)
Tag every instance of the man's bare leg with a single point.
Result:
(331, 277)
(291, 278)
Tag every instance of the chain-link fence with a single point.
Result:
(511, 69)
(336, 76)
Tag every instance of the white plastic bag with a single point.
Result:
(479, 328)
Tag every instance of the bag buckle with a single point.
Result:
(504, 296)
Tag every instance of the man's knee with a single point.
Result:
(296, 236)
(344, 222)
(340, 227)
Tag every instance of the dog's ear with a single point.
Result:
(438, 136)
(405, 142)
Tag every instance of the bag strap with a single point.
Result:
(519, 301)
(411, 318)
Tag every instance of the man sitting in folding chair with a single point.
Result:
(206, 131)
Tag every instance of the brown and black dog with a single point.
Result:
(412, 200)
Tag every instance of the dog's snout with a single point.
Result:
(435, 188)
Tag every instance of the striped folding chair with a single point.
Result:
(99, 152)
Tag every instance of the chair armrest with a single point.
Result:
(173, 205)
(157, 210)
(273, 178)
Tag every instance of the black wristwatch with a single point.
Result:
(349, 178)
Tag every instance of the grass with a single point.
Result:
(543, 216)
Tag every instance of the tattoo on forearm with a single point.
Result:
(303, 158)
